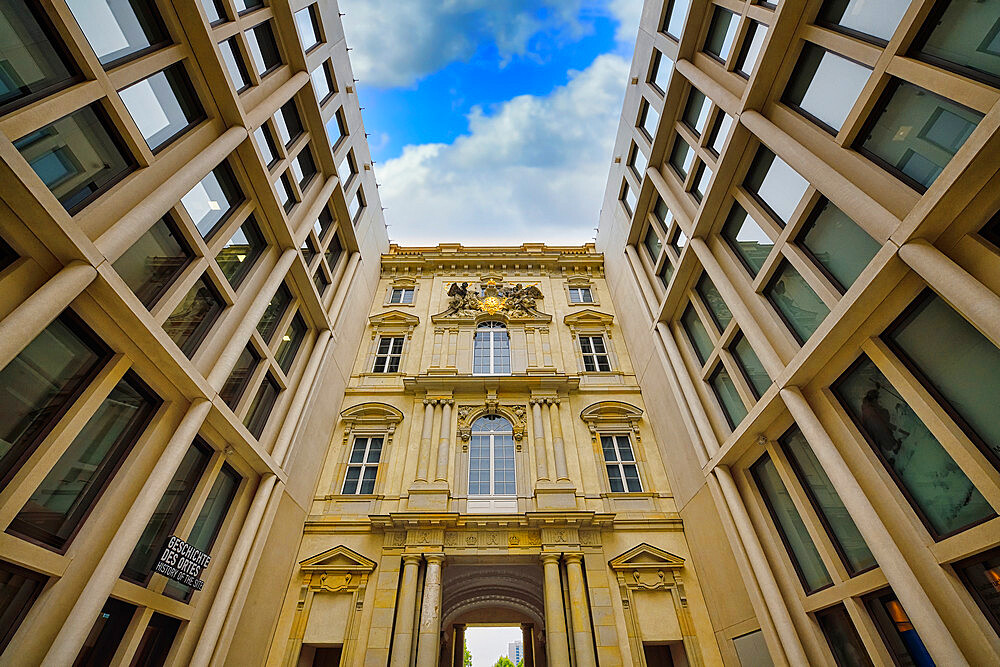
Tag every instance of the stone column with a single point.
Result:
(541, 456)
(558, 446)
(430, 613)
(458, 656)
(579, 608)
(444, 444)
(556, 644)
(526, 645)
(424, 453)
(402, 640)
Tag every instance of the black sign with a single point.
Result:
(183, 563)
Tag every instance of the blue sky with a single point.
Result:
(491, 121)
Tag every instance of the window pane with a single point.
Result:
(39, 385)
(696, 111)
(666, 272)
(303, 167)
(746, 237)
(753, 42)
(720, 132)
(243, 6)
(798, 543)
(306, 23)
(653, 243)
(168, 512)
(730, 399)
(77, 157)
(959, 362)
(333, 252)
(290, 343)
(648, 119)
(615, 479)
(608, 447)
(34, 58)
(213, 200)
(825, 85)
(902, 640)
(716, 306)
(268, 151)
(156, 641)
(842, 638)
(628, 197)
(837, 243)
(322, 81)
(336, 129)
(234, 63)
(800, 307)
(153, 262)
(674, 21)
(288, 122)
(238, 379)
(118, 28)
(751, 649)
(933, 483)
(263, 48)
(241, 251)
(320, 280)
(877, 20)
(163, 106)
(106, 634)
(965, 33)
(351, 480)
(214, 11)
(701, 181)
(681, 156)
(66, 495)
(261, 407)
(721, 33)
(915, 133)
(778, 187)
(659, 73)
(697, 333)
(981, 576)
(637, 162)
(826, 501)
(283, 189)
(662, 213)
(19, 588)
(194, 316)
(272, 314)
(750, 365)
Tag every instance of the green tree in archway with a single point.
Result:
(467, 660)
(503, 661)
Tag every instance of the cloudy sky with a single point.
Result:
(491, 121)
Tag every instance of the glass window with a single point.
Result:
(491, 458)
(78, 156)
(837, 244)
(347, 168)
(799, 306)
(938, 489)
(720, 132)
(660, 71)
(842, 638)
(303, 167)
(702, 178)
(241, 251)
(163, 106)
(39, 385)
(491, 349)
(716, 305)
(401, 295)
(696, 331)
(637, 162)
(288, 122)
(7, 255)
(648, 119)
(826, 501)
(333, 252)
(212, 201)
(964, 373)
(168, 512)
(356, 205)
(681, 156)
(262, 405)
(753, 42)
(628, 197)
(914, 133)
(322, 223)
(34, 61)
(673, 20)
(775, 185)
(290, 343)
(214, 10)
(652, 243)
(156, 640)
(662, 213)
(666, 271)
(106, 635)
(963, 35)
(825, 86)
(864, 18)
(244, 6)
(595, 354)
(19, 588)
(320, 280)
(362, 467)
(751, 649)
(991, 230)
(799, 545)
(307, 24)
(155, 261)
(696, 111)
(234, 64)
(73, 486)
(240, 376)
(389, 354)
(619, 461)
(725, 390)
(750, 365)
(117, 29)
(580, 295)
(898, 633)
(981, 576)
(336, 127)
(286, 196)
(194, 316)
(323, 82)
(268, 150)
(678, 241)
(721, 33)
(268, 324)
(744, 235)
(263, 48)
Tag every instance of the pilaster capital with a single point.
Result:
(437, 559)
(573, 558)
(412, 558)
(550, 557)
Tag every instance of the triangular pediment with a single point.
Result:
(589, 318)
(338, 559)
(646, 556)
(394, 319)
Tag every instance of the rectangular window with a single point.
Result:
(753, 42)
(290, 343)
(336, 128)
(41, 383)
(235, 64)
(799, 545)
(721, 33)
(106, 635)
(662, 213)
(678, 241)
(729, 398)
(681, 157)
(796, 302)
(263, 403)
(320, 280)
(401, 295)
(61, 503)
(673, 20)
(246, 6)
(324, 85)
(268, 149)
(389, 354)
(666, 271)
(163, 106)
(901, 639)
(619, 461)
(751, 244)
(751, 649)
(660, 71)
(348, 168)
(119, 29)
(289, 123)
(286, 196)
(333, 252)
(263, 48)
(214, 11)
(356, 205)
(936, 487)
(194, 316)
(837, 244)
(652, 243)
(981, 576)
(241, 251)
(776, 186)
(580, 295)
(702, 177)
(362, 468)
(595, 354)
(697, 333)
(19, 588)
(213, 200)
(648, 119)
(307, 23)
(962, 36)
(139, 568)
(628, 197)
(35, 60)
(322, 223)
(303, 167)
(78, 157)
(239, 378)
(863, 18)
(716, 305)
(720, 132)
(156, 640)
(913, 133)
(826, 501)
(268, 324)
(155, 261)
(753, 371)
(825, 86)
(842, 638)
(637, 161)
(696, 111)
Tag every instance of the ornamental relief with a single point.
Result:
(517, 415)
(514, 302)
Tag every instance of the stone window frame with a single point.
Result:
(581, 282)
(617, 418)
(401, 283)
(392, 323)
(364, 420)
(593, 323)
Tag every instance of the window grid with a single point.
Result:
(491, 458)
(362, 465)
(620, 463)
(388, 354)
(580, 295)
(401, 295)
(595, 354)
(491, 349)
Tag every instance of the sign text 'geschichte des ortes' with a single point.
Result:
(183, 563)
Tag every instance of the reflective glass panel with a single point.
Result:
(837, 243)
(106, 635)
(746, 237)
(33, 59)
(648, 119)
(720, 132)
(240, 376)
(194, 316)
(19, 588)
(750, 365)
(721, 33)
(825, 86)
(163, 106)
(268, 151)
(117, 29)
(303, 167)
(877, 20)
(701, 180)
(308, 26)
(778, 187)
(659, 73)
(800, 307)
(288, 122)
(696, 111)
(716, 305)
(842, 638)
(212, 201)
(153, 262)
(681, 156)
(234, 63)
(966, 35)
(322, 81)
(241, 251)
(901, 638)
(653, 243)
(981, 576)
(696, 331)
(263, 403)
(290, 343)
(673, 22)
(263, 48)
(729, 397)
(272, 314)
(753, 42)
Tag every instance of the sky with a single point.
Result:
(491, 121)
(488, 644)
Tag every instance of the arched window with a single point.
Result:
(491, 457)
(491, 353)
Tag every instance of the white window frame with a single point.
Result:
(494, 352)
(383, 359)
(594, 356)
(364, 465)
(494, 439)
(619, 463)
(581, 295)
(405, 295)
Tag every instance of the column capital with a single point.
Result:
(412, 558)
(573, 557)
(435, 558)
(550, 557)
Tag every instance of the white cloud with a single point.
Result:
(627, 13)
(533, 169)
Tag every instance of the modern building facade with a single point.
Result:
(802, 243)
(493, 463)
(187, 200)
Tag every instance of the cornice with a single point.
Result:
(533, 258)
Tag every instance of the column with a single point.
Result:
(558, 447)
(556, 644)
(527, 646)
(430, 614)
(579, 608)
(541, 456)
(291, 423)
(402, 640)
(424, 453)
(458, 655)
(444, 444)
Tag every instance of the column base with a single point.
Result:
(555, 495)
(428, 496)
